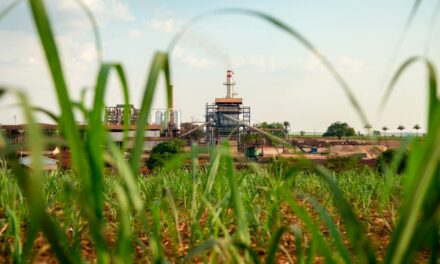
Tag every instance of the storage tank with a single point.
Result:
(159, 117)
(176, 120)
(166, 119)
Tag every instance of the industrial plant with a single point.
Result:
(227, 118)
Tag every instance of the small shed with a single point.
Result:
(48, 163)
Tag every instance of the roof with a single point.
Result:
(27, 161)
(23, 126)
(131, 127)
(229, 100)
(54, 126)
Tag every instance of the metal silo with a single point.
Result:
(166, 119)
(159, 117)
(176, 114)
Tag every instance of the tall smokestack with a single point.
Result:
(229, 84)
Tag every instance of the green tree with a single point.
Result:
(275, 128)
(339, 129)
(384, 128)
(302, 132)
(197, 133)
(286, 125)
(385, 159)
(368, 128)
(376, 133)
(417, 127)
(401, 128)
(163, 152)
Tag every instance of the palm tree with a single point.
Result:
(286, 125)
(417, 127)
(401, 128)
(384, 128)
(368, 127)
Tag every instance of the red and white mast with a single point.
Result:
(229, 84)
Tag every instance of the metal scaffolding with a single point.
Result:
(227, 118)
(114, 115)
(219, 126)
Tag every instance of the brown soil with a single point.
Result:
(378, 226)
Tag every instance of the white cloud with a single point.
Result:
(260, 62)
(133, 33)
(168, 25)
(19, 49)
(341, 63)
(22, 65)
(197, 62)
(191, 59)
(350, 64)
(104, 12)
(112, 9)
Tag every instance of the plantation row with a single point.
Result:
(187, 210)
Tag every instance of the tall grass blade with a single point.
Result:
(355, 230)
(248, 250)
(156, 247)
(298, 244)
(173, 208)
(237, 202)
(15, 226)
(421, 194)
(317, 237)
(96, 35)
(412, 14)
(126, 175)
(9, 8)
(48, 113)
(30, 183)
(392, 170)
(432, 84)
(123, 247)
(431, 28)
(207, 245)
(195, 182)
(158, 65)
(334, 232)
(31, 234)
(312, 251)
(97, 134)
(275, 240)
(212, 172)
(68, 124)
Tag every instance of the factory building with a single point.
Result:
(168, 120)
(114, 115)
(17, 134)
(227, 118)
(166, 123)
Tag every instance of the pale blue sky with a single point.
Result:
(275, 75)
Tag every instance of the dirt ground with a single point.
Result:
(333, 148)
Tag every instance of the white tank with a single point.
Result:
(159, 117)
(176, 114)
(166, 119)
